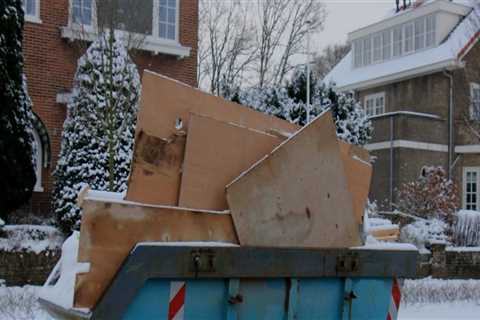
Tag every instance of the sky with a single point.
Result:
(345, 16)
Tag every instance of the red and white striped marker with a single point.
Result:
(177, 300)
(394, 301)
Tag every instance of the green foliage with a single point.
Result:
(17, 174)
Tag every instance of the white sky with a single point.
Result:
(345, 16)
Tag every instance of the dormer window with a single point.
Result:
(395, 42)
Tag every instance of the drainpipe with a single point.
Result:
(392, 133)
(450, 124)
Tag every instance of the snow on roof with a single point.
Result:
(447, 55)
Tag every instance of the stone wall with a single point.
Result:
(449, 262)
(21, 268)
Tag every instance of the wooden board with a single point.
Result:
(216, 153)
(164, 103)
(110, 230)
(359, 176)
(297, 196)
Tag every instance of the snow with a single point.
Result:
(373, 244)
(463, 249)
(375, 224)
(30, 238)
(443, 311)
(437, 58)
(117, 197)
(422, 232)
(62, 292)
(186, 244)
(20, 303)
(410, 113)
(467, 228)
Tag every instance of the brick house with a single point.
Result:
(56, 34)
(417, 75)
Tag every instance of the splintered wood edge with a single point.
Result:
(82, 194)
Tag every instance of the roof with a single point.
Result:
(448, 55)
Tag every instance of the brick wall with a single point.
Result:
(50, 64)
(20, 268)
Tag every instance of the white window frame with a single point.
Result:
(474, 100)
(377, 51)
(397, 44)
(80, 26)
(38, 161)
(367, 55)
(420, 37)
(33, 18)
(358, 53)
(412, 38)
(387, 45)
(432, 33)
(467, 170)
(154, 37)
(374, 97)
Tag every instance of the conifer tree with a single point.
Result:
(289, 102)
(17, 174)
(97, 140)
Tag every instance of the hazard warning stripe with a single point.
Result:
(177, 300)
(394, 301)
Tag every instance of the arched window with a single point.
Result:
(38, 150)
(42, 150)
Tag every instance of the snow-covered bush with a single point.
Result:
(432, 195)
(466, 231)
(98, 132)
(30, 238)
(430, 290)
(17, 174)
(422, 232)
(289, 102)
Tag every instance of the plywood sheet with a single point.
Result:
(358, 170)
(298, 196)
(216, 153)
(110, 230)
(165, 103)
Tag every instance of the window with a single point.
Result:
(470, 187)
(167, 19)
(32, 10)
(420, 33)
(358, 53)
(82, 12)
(474, 101)
(38, 161)
(397, 42)
(408, 34)
(377, 47)
(374, 104)
(387, 44)
(367, 51)
(430, 33)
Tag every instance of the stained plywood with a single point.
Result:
(110, 230)
(164, 102)
(297, 196)
(216, 153)
(358, 170)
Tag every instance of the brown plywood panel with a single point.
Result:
(165, 101)
(216, 153)
(297, 196)
(110, 230)
(359, 175)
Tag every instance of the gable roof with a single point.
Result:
(448, 55)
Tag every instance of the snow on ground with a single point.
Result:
(20, 303)
(443, 311)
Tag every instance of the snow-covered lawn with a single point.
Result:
(20, 303)
(440, 311)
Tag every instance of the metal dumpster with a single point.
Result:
(161, 281)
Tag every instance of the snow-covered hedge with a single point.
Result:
(430, 290)
(466, 231)
(422, 232)
(30, 238)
